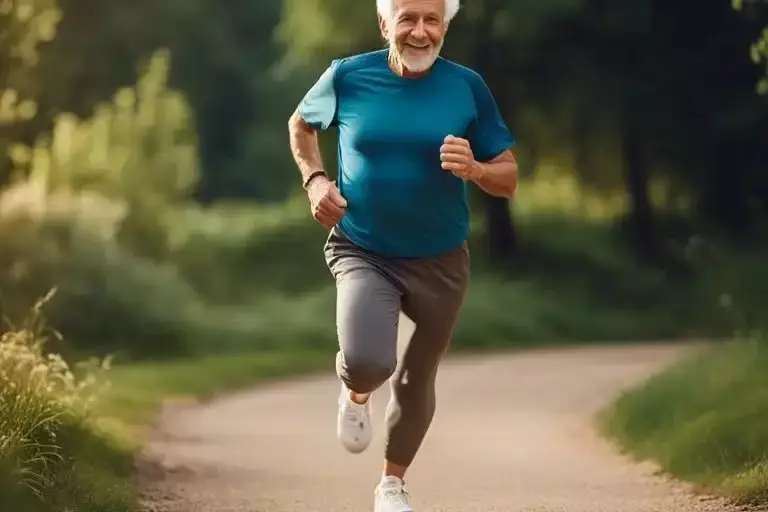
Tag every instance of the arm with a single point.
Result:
(304, 147)
(494, 167)
(317, 111)
(498, 177)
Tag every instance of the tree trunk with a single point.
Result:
(500, 230)
(641, 222)
(502, 237)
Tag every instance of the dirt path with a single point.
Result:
(511, 433)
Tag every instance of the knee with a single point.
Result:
(364, 374)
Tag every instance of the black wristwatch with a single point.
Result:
(311, 177)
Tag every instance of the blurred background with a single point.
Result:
(146, 174)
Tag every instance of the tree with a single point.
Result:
(501, 236)
(24, 26)
(671, 93)
(759, 50)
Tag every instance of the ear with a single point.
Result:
(383, 27)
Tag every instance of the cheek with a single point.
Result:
(401, 36)
(435, 35)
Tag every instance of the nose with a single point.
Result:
(418, 31)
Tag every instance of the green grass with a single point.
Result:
(704, 420)
(94, 469)
(242, 301)
(138, 390)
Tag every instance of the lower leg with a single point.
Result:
(409, 416)
(412, 406)
(392, 469)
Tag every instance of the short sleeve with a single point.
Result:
(318, 107)
(489, 135)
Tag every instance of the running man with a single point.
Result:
(413, 129)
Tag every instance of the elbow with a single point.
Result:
(512, 186)
(503, 191)
(294, 121)
(507, 192)
(297, 125)
(509, 189)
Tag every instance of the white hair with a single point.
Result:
(386, 8)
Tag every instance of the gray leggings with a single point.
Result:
(371, 292)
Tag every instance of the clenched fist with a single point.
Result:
(326, 203)
(457, 157)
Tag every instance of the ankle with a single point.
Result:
(394, 470)
(359, 398)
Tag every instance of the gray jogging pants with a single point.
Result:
(371, 292)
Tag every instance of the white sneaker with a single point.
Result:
(353, 423)
(391, 496)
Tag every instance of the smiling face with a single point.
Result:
(415, 33)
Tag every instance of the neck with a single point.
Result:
(396, 64)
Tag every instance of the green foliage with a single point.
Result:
(107, 300)
(92, 216)
(138, 152)
(263, 268)
(759, 50)
(45, 407)
(24, 26)
(703, 419)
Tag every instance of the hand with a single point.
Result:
(456, 156)
(326, 203)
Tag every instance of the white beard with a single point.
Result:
(416, 64)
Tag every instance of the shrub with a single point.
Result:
(108, 299)
(91, 218)
(41, 398)
(137, 155)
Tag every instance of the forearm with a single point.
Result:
(304, 146)
(499, 176)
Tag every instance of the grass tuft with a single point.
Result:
(704, 419)
(49, 450)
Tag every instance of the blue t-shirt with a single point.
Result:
(400, 201)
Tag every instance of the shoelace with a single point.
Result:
(399, 496)
(354, 415)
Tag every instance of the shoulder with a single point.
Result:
(468, 76)
(462, 72)
(345, 66)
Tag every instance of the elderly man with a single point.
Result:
(413, 129)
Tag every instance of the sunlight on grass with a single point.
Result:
(703, 419)
(47, 440)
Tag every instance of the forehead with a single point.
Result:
(422, 7)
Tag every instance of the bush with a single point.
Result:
(45, 425)
(136, 155)
(108, 300)
(92, 216)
